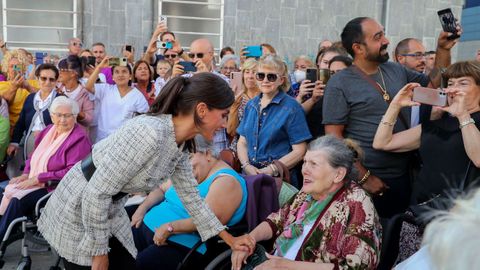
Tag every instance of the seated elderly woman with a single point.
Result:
(222, 188)
(57, 148)
(330, 224)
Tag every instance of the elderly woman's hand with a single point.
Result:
(138, 216)
(161, 235)
(238, 258)
(31, 182)
(244, 243)
(251, 170)
(18, 179)
(457, 107)
(273, 262)
(404, 97)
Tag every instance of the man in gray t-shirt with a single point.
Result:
(354, 103)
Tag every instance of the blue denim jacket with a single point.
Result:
(270, 133)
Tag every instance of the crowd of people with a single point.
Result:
(92, 129)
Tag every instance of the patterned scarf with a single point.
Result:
(308, 213)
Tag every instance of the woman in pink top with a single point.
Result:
(71, 72)
(57, 148)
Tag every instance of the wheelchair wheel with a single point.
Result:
(221, 262)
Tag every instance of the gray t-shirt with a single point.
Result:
(352, 101)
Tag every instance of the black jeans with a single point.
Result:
(396, 199)
(151, 256)
(118, 258)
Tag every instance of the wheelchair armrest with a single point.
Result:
(39, 202)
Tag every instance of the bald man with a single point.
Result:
(410, 53)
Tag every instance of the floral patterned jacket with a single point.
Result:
(347, 233)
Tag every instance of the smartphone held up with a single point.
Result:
(430, 96)
(449, 22)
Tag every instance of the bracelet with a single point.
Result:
(466, 123)
(364, 178)
(244, 165)
(386, 123)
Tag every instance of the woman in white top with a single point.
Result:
(116, 103)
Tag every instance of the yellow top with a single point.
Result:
(15, 107)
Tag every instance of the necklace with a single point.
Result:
(386, 96)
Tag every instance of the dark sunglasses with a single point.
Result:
(167, 56)
(197, 55)
(271, 77)
(44, 79)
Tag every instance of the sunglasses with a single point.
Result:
(79, 44)
(271, 77)
(44, 79)
(196, 55)
(167, 56)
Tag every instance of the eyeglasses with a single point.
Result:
(417, 55)
(229, 68)
(51, 80)
(79, 44)
(167, 56)
(63, 115)
(271, 77)
(196, 55)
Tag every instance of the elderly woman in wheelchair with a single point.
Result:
(57, 148)
(164, 232)
(330, 224)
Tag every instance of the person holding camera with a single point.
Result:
(116, 103)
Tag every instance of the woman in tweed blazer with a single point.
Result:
(81, 218)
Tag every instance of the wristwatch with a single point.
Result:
(170, 228)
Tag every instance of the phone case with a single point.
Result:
(253, 51)
(188, 66)
(449, 24)
(434, 97)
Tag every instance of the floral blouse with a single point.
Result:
(347, 233)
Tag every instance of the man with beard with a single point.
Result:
(410, 53)
(356, 99)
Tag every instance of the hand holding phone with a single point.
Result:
(449, 23)
(188, 66)
(430, 96)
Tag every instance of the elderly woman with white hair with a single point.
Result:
(57, 148)
(229, 63)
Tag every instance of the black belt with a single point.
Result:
(88, 169)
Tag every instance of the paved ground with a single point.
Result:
(40, 260)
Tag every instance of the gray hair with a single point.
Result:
(204, 146)
(340, 153)
(64, 101)
(452, 237)
(229, 57)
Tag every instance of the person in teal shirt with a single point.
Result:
(154, 223)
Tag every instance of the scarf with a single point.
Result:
(308, 213)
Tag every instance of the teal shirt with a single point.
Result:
(172, 209)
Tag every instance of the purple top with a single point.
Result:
(2, 78)
(75, 148)
(107, 71)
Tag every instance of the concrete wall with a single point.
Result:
(118, 22)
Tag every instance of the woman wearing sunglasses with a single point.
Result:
(274, 125)
(35, 115)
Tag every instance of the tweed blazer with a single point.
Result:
(80, 217)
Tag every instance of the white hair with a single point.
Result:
(204, 146)
(229, 57)
(452, 237)
(64, 101)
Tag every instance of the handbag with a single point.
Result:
(286, 191)
(230, 157)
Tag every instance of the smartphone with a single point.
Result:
(253, 51)
(164, 45)
(236, 82)
(430, 96)
(118, 61)
(188, 66)
(311, 75)
(324, 75)
(449, 23)
(162, 18)
(91, 60)
(17, 69)
(39, 58)
(128, 48)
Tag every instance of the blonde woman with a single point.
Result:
(249, 91)
(274, 125)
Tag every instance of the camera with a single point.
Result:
(164, 44)
(118, 61)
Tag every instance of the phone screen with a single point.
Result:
(448, 21)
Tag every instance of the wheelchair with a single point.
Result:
(25, 228)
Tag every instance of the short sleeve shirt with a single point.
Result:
(270, 132)
(352, 101)
(113, 110)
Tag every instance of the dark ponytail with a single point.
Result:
(181, 95)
